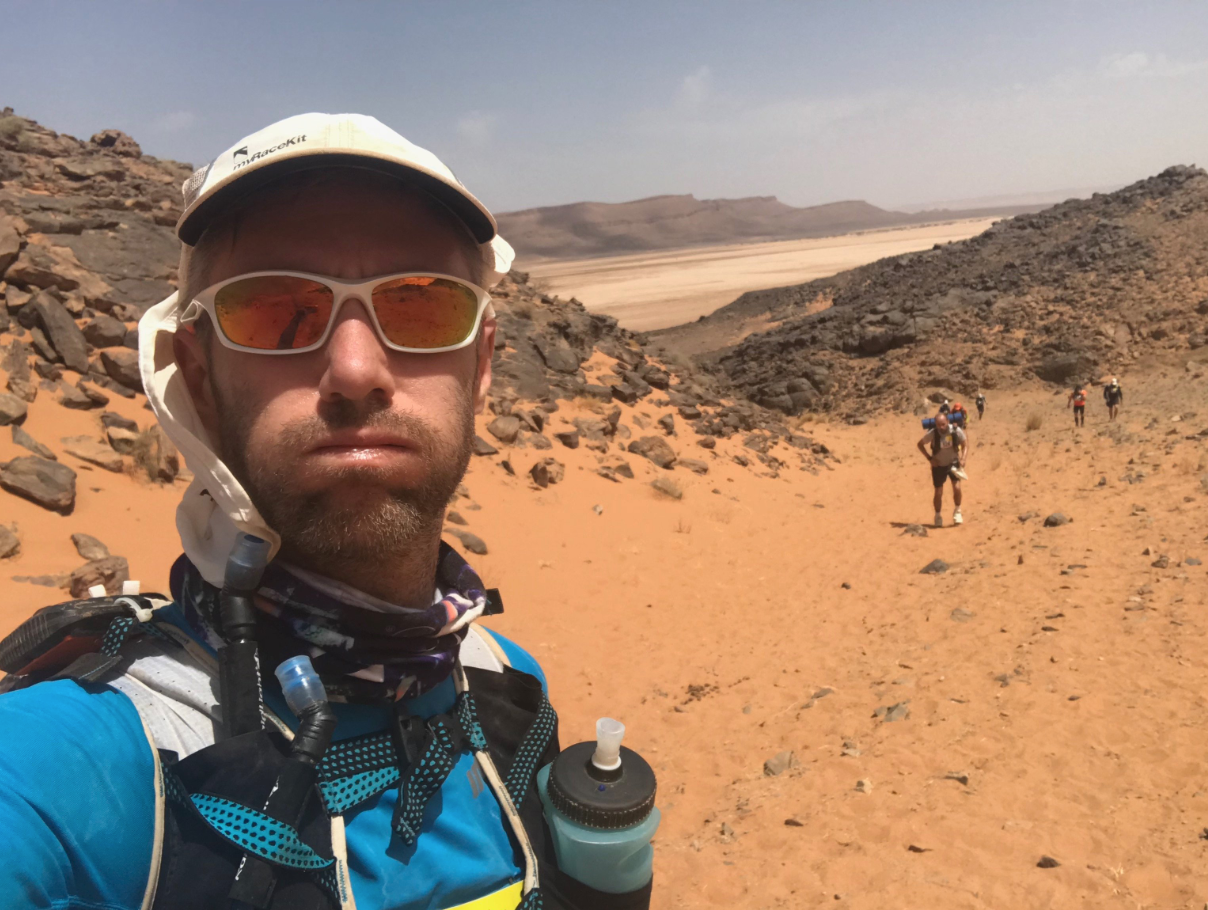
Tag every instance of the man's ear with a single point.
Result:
(485, 346)
(194, 363)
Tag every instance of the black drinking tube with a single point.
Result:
(238, 660)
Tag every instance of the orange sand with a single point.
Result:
(707, 624)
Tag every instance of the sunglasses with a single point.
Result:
(293, 312)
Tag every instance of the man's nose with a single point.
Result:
(357, 364)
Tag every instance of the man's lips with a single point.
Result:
(360, 441)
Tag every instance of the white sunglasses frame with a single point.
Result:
(361, 291)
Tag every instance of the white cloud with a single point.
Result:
(477, 126)
(695, 89)
(176, 121)
(1139, 64)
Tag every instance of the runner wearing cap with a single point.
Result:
(1113, 397)
(319, 368)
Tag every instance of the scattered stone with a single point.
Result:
(454, 518)
(122, 366)
(654, 448)
(23, 439)
(113, 419)
(98, 398)
(891, 713)
(12, 409)
(1192, 561)
(62, 332)
(49, 581)
(696, 466)
(915, 531)
(122, 440)
(667, 422)
(507, 467)
(1162, 562)
(569, 438)
(935, 567)
(1056, 520)
(547, 471)
(471, 542)
(22, 388)
(707, 442)
(623, 469)
(961, 777)
(916, 849)
(89, 547)
(850, 749)
(557, 354)
(690, 412)
(88, 449)
(598, 509)
(40, 344)
(1047, 862)
(109, 571)
(623, 392)
(74, 398)
(9, 542)
(40, 480)
(792, 823)
(667, 486)
(104, 332)
(960, 614)
(608, 473)
(1027, 516)
(779, 763)
(48, 370)
(505, 429)
(864, 785)
(157, 454)
(482, 447)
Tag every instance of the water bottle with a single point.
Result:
(599, 802)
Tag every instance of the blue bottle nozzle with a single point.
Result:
(300, 684)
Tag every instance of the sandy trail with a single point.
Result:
(714, 625)
(656, 290)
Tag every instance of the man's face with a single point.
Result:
(941, 423)
(350, 452)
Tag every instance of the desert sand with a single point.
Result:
(1060, 714)
(656, 290)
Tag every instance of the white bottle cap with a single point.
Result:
(609, 734)
(97, 591)
(130, 588)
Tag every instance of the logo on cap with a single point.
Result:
(293, 140)
(238, 152)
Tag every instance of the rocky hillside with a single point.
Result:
(585, 229)
(1070, 293)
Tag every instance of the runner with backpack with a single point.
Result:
(946, 448)
(1078, 400)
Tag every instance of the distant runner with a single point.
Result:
(981, 405)
(1113, 395)
(946, 449)
(1078, 400)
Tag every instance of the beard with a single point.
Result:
(361, 515)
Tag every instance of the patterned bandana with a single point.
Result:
(366, 651)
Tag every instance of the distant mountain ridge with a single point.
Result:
(586, 229)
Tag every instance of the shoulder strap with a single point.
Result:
(491, 642)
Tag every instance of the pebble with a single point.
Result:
(935, 567)
(960, 614)
(1047, 862)
(779, 763)
(1056, 520)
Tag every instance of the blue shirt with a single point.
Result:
(77, 809)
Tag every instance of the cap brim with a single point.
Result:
(194, 222)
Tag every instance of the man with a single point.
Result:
(1078, 400)
(1113, 396)
(981, 405)
(946, 449)
(320, 369)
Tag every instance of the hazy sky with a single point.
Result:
(543, 103)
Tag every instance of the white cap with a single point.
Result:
(322, 140)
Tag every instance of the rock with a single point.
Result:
(89, 547)
(569, 438)
(48, 483)
(482, 447)
(793, 823)
(130, 340)
(10, 242)
(471, 542)
(23, 439)
(122, 366)
(623, 469)
(961, 777)
(22, 388)
(557, 354)
(505, 429)
(88, 449)
(915, 531)
(454, 518)
(935, 567)
(121, 440)
(105, 332)
(1063, 368)
(113, 419)
(667, 422)
(960, 614)
(9, 542)
(1056, 520)
(1047, 862)
(654, 448)
(157, 455)
(547, 471)
(1162, 562)
(109, 571)
(623, 392)
(707, 442)
(117, 142)
(779, 763)
(667, 486)
(1192, 561)
(12, 409)
(98, 398)
(695, 465)
(864, 785)
(74, 398)
(507, 467)
(891, 713)
(608, 474)
(599, 392)
(1027, 516)
(538, 441)
(690, 412)
(16, 359)
(62, 332)
(42, 346)
(48, 370)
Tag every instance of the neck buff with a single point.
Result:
(365, 650)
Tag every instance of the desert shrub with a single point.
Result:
(11, 127)
(1034, 421)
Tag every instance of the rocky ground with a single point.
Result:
(1079, 290)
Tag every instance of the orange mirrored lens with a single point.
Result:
(424, 312)
(273, 312)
